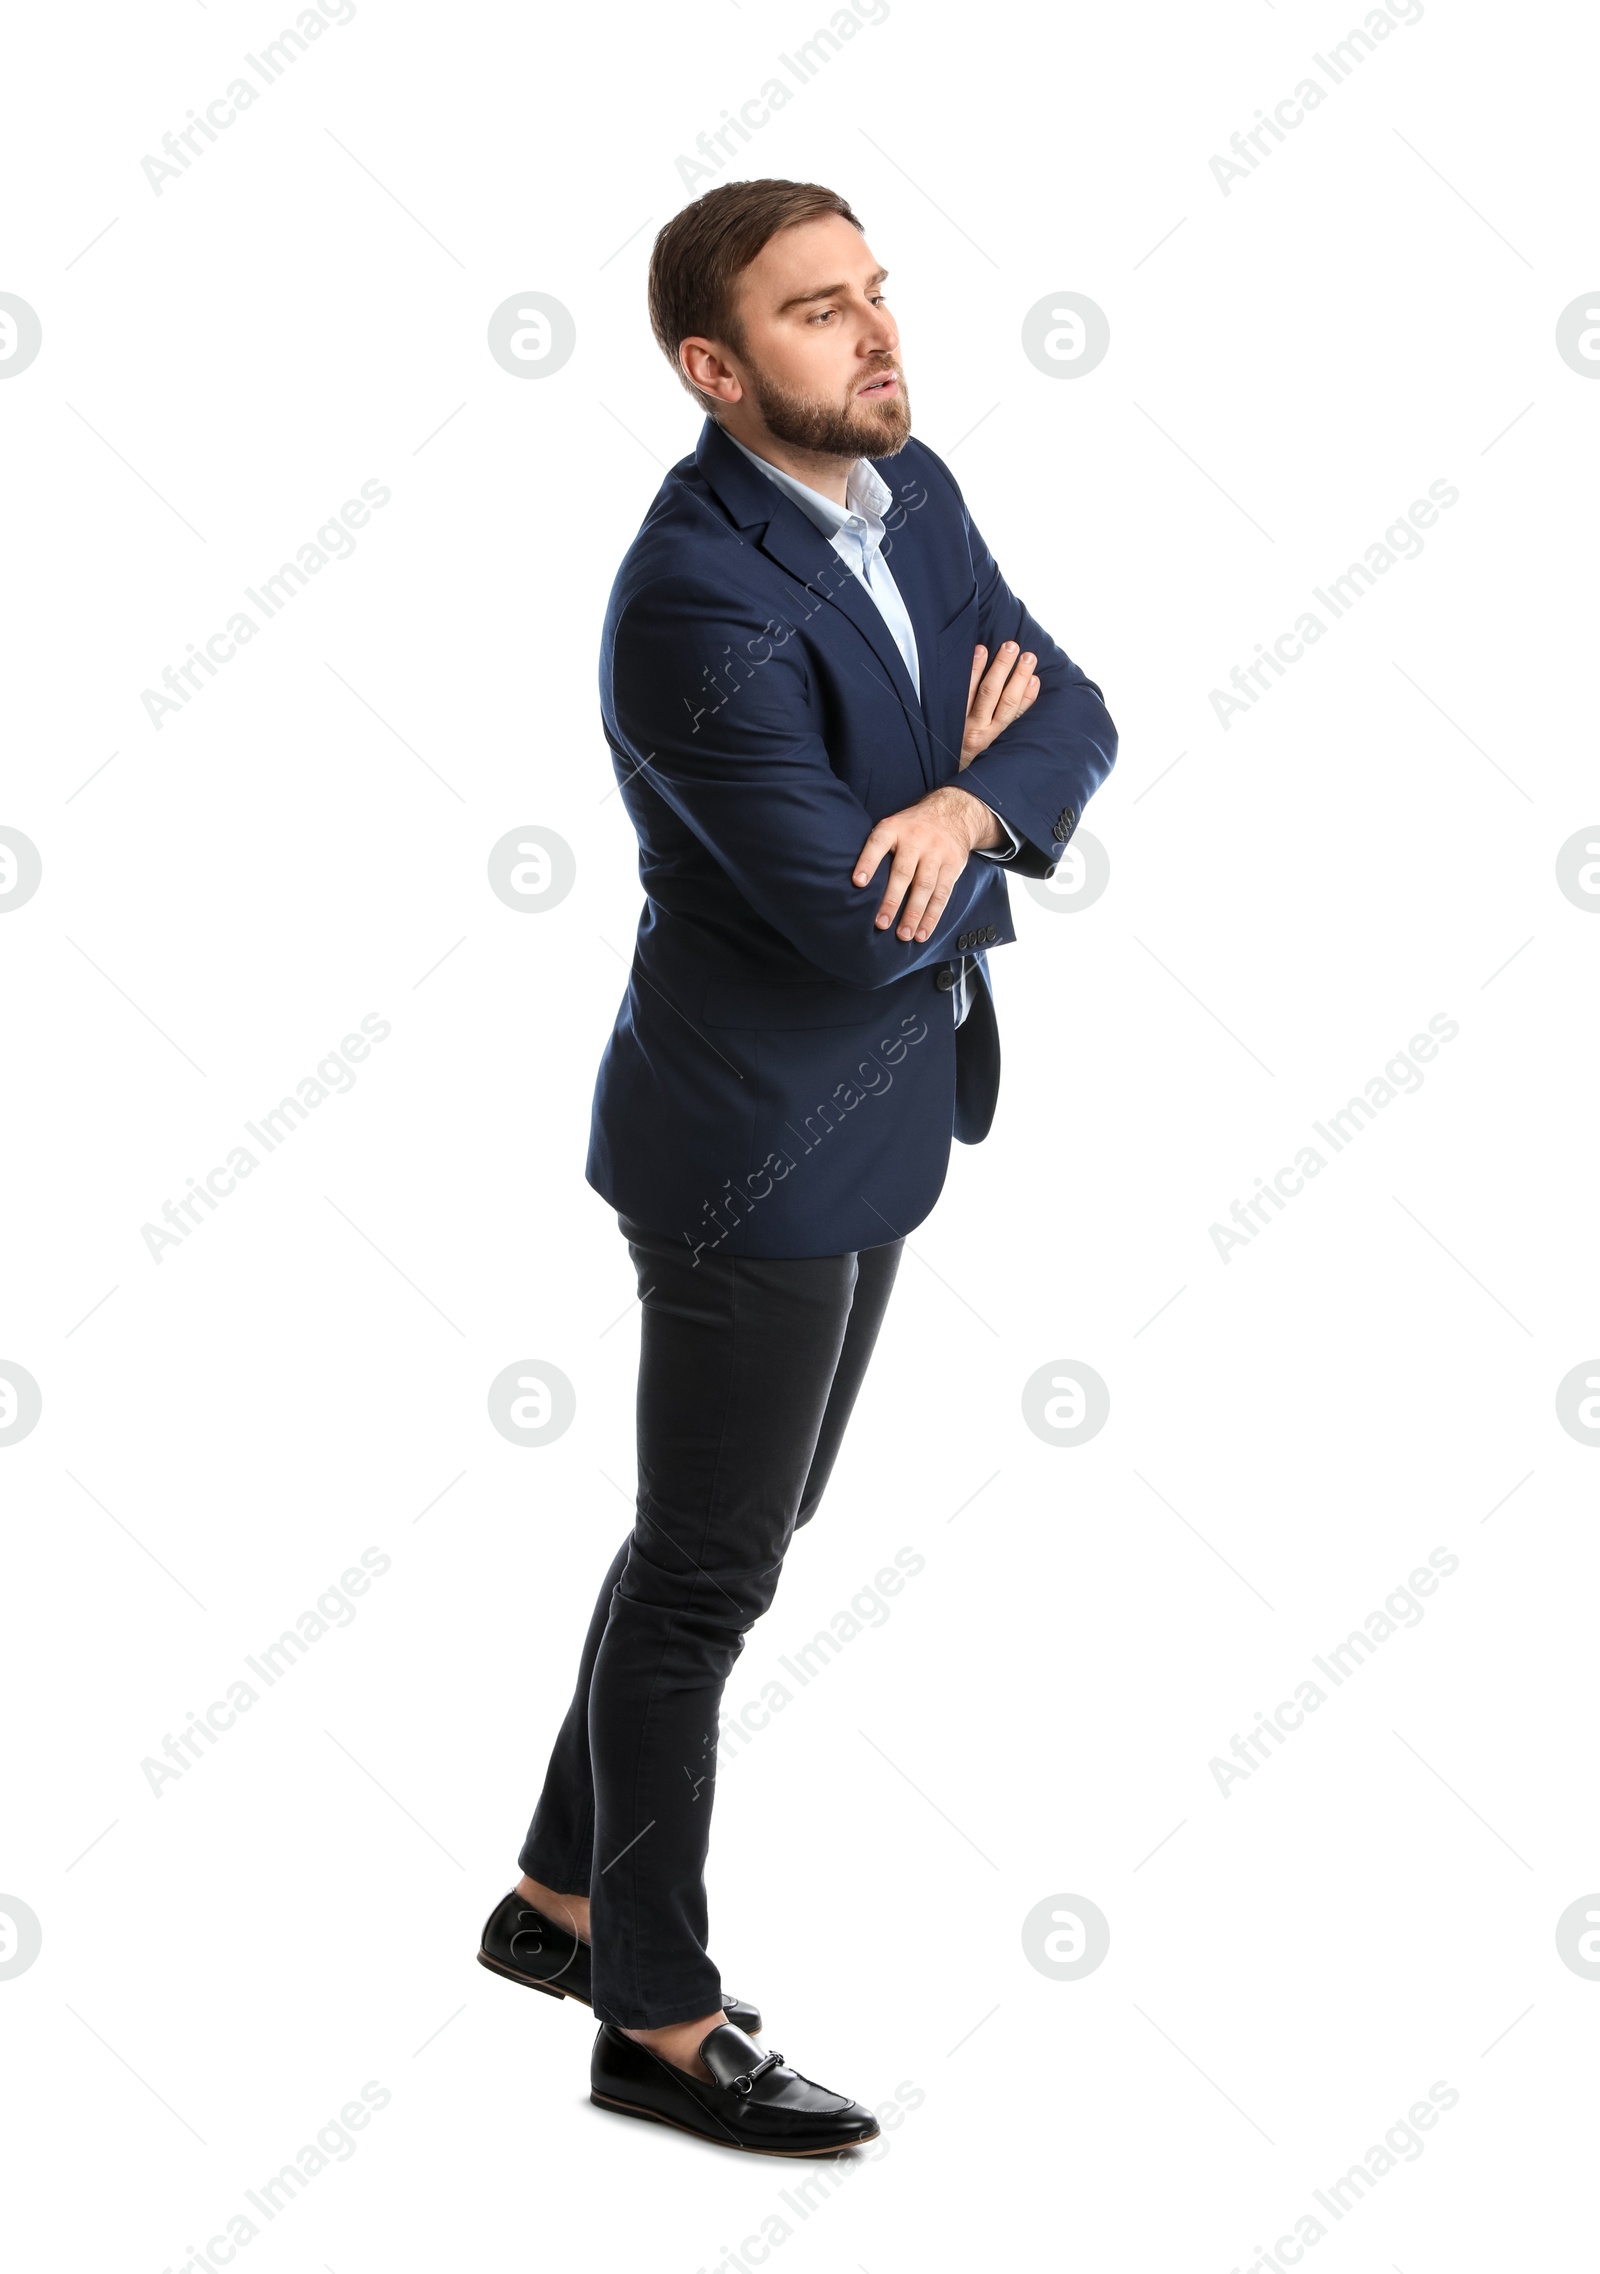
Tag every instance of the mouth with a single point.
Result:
(882, 384)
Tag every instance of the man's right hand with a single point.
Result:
(995, 697)
(932, 839)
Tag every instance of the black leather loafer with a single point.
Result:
(754, 2101)
(525, 1946)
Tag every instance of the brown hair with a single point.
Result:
(699, 256)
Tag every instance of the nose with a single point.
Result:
(880, 335)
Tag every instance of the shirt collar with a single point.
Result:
(866, 495)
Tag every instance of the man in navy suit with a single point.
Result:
(829, 763)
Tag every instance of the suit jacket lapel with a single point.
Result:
(906, 549)
(800, 547)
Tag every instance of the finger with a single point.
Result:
(936, 880)
(937, 903)
(981, 706)
(872, 852)
(925, 885)
(980, 656)
(900, 876)
(1015, 690)
(1011, 700)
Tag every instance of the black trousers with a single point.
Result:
(748, 1370)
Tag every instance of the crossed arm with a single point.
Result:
(931, 840)
(1060, 744)
(751, 778)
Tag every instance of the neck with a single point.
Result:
(819, 470)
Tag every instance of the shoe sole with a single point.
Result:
(546, 1989)
(650, 2116)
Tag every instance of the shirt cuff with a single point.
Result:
(1006, 852)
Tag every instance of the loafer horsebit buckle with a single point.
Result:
(747, 2083)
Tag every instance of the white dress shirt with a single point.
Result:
(856, 530)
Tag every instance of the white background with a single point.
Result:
(1291, 1431)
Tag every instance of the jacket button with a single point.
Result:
(992, 933)
(944, 979)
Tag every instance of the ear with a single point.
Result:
(706, 368)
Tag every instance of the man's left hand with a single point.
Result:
(931, 842)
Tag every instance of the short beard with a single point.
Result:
(864, 430)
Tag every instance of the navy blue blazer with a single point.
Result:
(783, 1079)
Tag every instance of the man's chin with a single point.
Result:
(886, 429)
